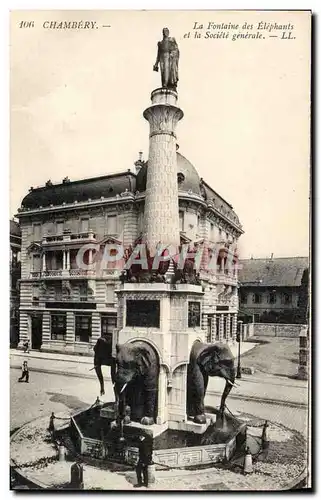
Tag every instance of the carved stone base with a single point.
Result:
(190, 426)
(152, 430)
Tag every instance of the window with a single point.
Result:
(110, 293)
(58, 326)
(112, 224)
(272, 298)
(37, 232)
(35, 295)
(36, 263)
(257, 298)
(84, 225)
(59, 227)
(243, 298)
(212, 232)
(181, 221)
(286, 298)
(220, 234)
(83, 328)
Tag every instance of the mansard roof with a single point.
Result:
(93, 188)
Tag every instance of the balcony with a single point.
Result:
(66, 237)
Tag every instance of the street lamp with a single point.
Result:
(238, 339)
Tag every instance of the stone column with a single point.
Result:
(221, 329)
(234, 327)
(44, 262)
(161, 200)
(63, 259)
(228, 327)
(162, 415)
(68, 259)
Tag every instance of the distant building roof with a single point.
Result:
(287, 271)
(15, 229)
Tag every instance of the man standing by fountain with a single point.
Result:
(145, 447)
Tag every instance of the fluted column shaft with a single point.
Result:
(161, 200)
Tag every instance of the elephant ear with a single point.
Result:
(209, 357)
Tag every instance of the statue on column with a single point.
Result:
(167, 59)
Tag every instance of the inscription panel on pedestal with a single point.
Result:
(194, 314)
(144, 313)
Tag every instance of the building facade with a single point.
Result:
(15, 271)
(274, 290)
(64, 307)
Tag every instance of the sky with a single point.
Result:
(77, 98)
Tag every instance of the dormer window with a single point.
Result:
(180, 178)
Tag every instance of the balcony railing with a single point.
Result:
(63, 273)
(81, 272)
(52, 273)
(63, 238)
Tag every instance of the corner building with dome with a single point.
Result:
(65, 308)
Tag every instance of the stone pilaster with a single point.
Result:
(161, 200)
(95, 327)
(24, 328)
(46, 327)
(70, 326)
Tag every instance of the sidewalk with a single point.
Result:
(72, 358)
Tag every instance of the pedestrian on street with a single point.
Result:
(25, 373)
(26, 346)
(145, 447)
(51, 427)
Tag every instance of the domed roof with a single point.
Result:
(187, 175)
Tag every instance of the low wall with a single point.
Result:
(272, 330)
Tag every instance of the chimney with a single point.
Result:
(271, 258)
(140, 162)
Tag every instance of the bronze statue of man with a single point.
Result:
(167, 58)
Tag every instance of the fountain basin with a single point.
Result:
(93, 434)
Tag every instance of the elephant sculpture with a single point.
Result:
(103, 357)
(134, 372)
(207, 360)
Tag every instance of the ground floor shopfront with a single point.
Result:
(77, 331)
(65, 330)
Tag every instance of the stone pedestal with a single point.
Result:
(172, 340)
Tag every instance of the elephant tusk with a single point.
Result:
(123, 388)
(231, 383)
